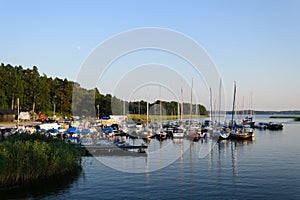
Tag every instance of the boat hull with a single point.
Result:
(242, 136)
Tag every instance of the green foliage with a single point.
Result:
(39, 93)
(27, 158)
(35, 92)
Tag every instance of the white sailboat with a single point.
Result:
(246, 132)
(220, 130)
(179, 131)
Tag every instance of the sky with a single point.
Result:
(255, 43)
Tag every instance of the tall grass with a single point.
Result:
(27, 158)
(143, 118)
(297, 119)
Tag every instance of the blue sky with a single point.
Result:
(255, 43)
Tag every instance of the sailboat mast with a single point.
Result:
(233, 105)
(191, 103)
(160, 105)
(178, 110)
(251, 105)
(147, 113)
(182, 113)
(210, 105)
(220, 96)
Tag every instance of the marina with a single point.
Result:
(241, 169)
(247, 169)
(150, 100)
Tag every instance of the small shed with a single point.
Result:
(8, 115)
(24, 116)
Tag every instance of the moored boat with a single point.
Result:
(275, 126)
(237, 132)
(178, 132)
(242, 133)
(248, 121)
(261, 125)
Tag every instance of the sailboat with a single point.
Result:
(219, 131)
(195, 131)
(245, 132)
(248, 120)
(161, 133)
(178, 131)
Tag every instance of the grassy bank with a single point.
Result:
(296, 118)
(283, 117)
(143, 118)
(28, 158)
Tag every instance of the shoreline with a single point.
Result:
(14, 124)
(284, 117)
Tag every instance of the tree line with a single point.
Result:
(40, 93)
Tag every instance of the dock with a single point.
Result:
(113, 150)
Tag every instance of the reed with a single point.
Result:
(297, 119)
(27, 158)
(143, 118)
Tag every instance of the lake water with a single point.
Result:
(265, 168)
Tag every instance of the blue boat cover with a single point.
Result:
(72, 130)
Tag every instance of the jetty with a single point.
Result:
(114, 150)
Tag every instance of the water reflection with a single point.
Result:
(236, 146)
(224, 158)
(41, 189)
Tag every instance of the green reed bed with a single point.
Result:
(28, 158)
(297, 119)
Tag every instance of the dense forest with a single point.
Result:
(39, 93)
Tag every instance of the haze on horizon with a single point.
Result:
(255, 43)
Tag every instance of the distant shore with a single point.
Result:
(284, 116)
(296, 118)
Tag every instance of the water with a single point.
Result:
(266, 168)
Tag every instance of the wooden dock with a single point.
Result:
(113, 150)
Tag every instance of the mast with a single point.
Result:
(124, 112)
(243, 109)
(182, 113)
(178, 110)
(233, 105)
(210, 106)
(251, 105)
(215, 112)
(220, 95)
(18, 103)
(160, 105)
(191, 103)
(147, 113)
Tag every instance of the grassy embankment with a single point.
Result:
(25, 159)
(296, 118)
(143, 118)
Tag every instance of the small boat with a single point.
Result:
(202, 132)
(275, 126)
(221, 133)
(224, 133)
(195, 135)
(242, 133)
(248, 121)
(162, 135)
(71, 139)
(178, 132)
(261, 125)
